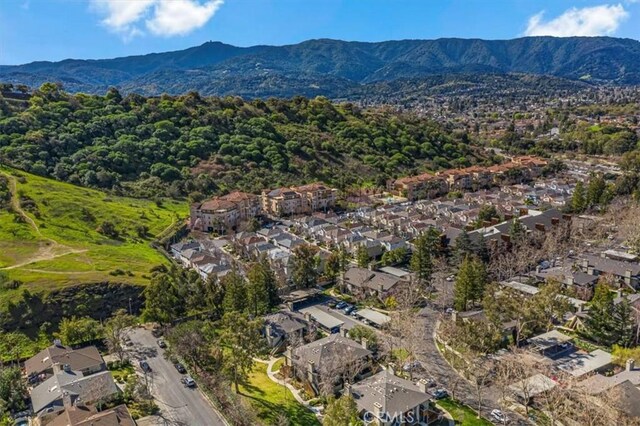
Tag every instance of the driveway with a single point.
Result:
(178, 405)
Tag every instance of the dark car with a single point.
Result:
(440, 394)
(180, 368)
(341, 305)
(348, 309)
(145, 366)
(162, 343)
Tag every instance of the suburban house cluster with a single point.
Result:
(228, 211)
(69, 386)
(519, 169)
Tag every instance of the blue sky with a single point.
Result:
(33, 30)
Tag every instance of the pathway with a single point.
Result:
(281, 382)
(51, 249)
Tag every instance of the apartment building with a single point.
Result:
(470, 178)
(224, 213)
(303, 199)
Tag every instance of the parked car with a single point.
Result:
(145, 366)
(162, 343)
(430, 382)
(341, 305)
(440, 394)
(498, 416)
(180, 368)
(348, 309)
(188, 382)
(412, 366)
(450, 278)
(332, 304)
(354, 313)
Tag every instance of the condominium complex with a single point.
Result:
(471, 178)
(299, 200)
(225, 213)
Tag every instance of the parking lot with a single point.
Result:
(179, 404)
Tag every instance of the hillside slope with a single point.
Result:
(335, 68)
(49, 235)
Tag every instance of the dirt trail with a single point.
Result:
(51, 249)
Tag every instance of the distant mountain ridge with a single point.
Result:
(337, 68)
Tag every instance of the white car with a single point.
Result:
(498, 416)
(188, 382)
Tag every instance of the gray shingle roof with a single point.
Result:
(394, 394)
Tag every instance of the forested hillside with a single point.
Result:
(336, 68)
(195, 145)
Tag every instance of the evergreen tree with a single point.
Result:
(480, 248)
(362, 256)
(470, 283)
(600, 324)
(595, 190)
(421, 262)
(241, 336)
(262, 291)
(213, 293)
(579, 198)
(517, 231)
(623, 324)
(235, 292)
(463, 247)
(305, 271)
(342, 412)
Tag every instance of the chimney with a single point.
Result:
(454, 316)
(566, 217)
(391, 368)
(630, 365)
(343, 332)
(540, 227)
(66, 399)
(66, 368)
(422, 385)
(570, 280)
(377, 410)
(585, 263)
(347, 388)
(365, 343)
(524, 212)
(288, 354)
(307, 317)
(555, 221)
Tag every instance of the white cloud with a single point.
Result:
(588, 21)
(161, 17)
(178, 17)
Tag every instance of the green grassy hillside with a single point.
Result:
(49, 233)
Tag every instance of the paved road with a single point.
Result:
(445, 376)
(178, 405)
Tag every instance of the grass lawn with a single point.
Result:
(462, 414)
(270, 399)
(121, 373)
(278, 364)
(62, 246)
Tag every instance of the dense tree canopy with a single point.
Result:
(114, 141)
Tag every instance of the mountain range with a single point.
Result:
(337, 68)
